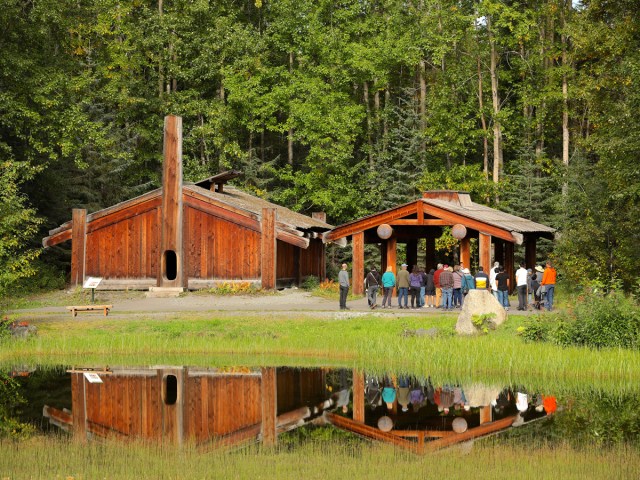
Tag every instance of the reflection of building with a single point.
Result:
(187, 404)
(232, 406)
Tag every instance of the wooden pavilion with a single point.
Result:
(192, 235)
(497, 232)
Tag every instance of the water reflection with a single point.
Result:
(232, 406)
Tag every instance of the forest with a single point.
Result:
(346, 107)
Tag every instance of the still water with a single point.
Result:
(240, 405)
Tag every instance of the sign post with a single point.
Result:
(92, 283)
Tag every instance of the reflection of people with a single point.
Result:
(343, 280)
(341, 399)
(549, 284)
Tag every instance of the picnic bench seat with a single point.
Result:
(89, 308)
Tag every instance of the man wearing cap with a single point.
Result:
(521, 284)
(343, 280)
(549, 284)
(403, 287)
(446, 282)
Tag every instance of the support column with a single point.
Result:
(430, 253)
(171, 250)
(412, 253)
(465, 252)
(485, 414)
(78, 245)
(509, 262)
(392, 256)
(357, 275)
(268, 246)
(530, 251)
(269, 407)
(358, 395)
(484, 251)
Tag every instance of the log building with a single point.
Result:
(192, 235)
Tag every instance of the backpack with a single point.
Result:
(465, 285)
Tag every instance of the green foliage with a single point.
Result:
(484, 322)
(10, 403)
(310, 283)
(468, 178)
(597, 322)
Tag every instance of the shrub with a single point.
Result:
(310, 283)
(234, 288)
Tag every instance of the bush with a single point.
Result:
(310, 283)
(597, 322)
(234, 288)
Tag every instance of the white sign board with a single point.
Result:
(92, 377)
(92, 282)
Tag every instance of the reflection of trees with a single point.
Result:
(10, 403)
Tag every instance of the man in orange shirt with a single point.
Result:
(549, 284)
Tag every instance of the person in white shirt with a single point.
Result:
(521, 284)
(492, 279)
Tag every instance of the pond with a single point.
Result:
(238, 405)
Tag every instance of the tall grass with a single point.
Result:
(374, 343)
(47, 458)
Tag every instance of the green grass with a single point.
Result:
(373, 342)
(50, 458)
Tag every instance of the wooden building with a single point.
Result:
(180, 404)
(192, 235)
(497, 232)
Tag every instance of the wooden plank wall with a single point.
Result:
(299, 387)
(126, 248)
(215, 248)
(220, 405)
(311, 260)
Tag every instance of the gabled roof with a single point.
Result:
(237, 198)
(446, 207)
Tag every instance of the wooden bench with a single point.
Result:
(89, 308)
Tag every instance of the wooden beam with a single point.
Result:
(220, 212)
(269, 407)
(78, 246)
(484, 251)
(357, 276)
(369, 432)
(485, 414)
(422, 433)
(482, 430)
(292, 239)
(420, 212)
(171, 223)
(454, 218)
(417, 222)
(124, 213)
(465, 251)
(268, 248)
(358, 395)
(371, 221)
(57, 238)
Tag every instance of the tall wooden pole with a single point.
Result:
(171, 271)
(358, 395)
(269, 407)
(78, 245)
(484, 247)
(465, 252)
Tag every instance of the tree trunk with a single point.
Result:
(423, 107)
(497, 128)
(565, 102)
(365, 99)
(385, 124)
(483, 121)
(290, 133)
(160, 67)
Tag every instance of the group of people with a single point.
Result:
(446, 287)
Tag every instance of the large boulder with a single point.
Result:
(479, 302)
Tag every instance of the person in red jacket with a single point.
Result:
(549, 284)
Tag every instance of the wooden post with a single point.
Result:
(358, 395)
(269, 407)
(412, 253)
(465, 252)
(484, 248)
(357, 276)
(78, 245)
(79, 406)
(530, 251)
(268, 249)
(430, 253)
(485, 414)
(171, 262)
(509, 262)
(392, 256)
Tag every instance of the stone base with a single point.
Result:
(165, 292)
(479, 302)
